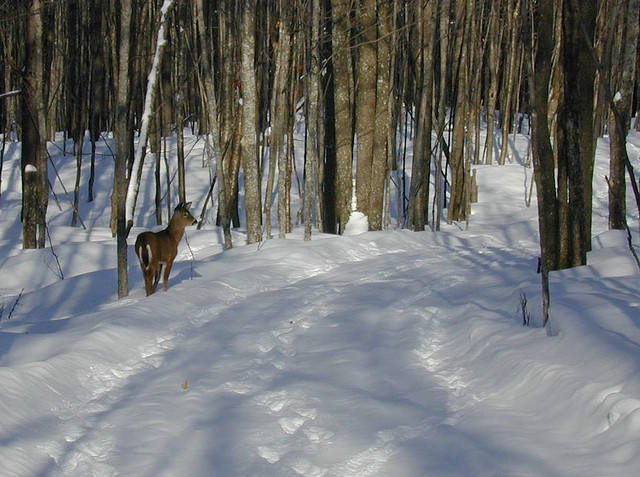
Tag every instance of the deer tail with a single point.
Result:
(145, 256)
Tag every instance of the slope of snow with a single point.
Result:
(379, 354)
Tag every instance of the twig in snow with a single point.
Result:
(526, 314)
(15, 304)
(193, 257)
(59, 273)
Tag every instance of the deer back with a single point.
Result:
(163, 245)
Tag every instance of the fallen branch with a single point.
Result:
(15, 304)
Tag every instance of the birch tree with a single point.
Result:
(149, 101)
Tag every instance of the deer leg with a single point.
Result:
(148, 285)
(156, 277)
(147, 281)
(165, 279)
(149, 274)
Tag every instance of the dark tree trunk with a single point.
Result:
(543, 160)
(124, 139)
(619, 127)
(580, 69)
(34, 140)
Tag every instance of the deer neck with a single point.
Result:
(175, 229)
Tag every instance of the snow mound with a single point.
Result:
(357, 224)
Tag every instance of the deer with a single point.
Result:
(157, 250)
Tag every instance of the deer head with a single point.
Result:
(157, 250)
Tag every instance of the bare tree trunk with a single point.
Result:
(366, 74)
(579, 19)
(283, 120)
(618, 133)
(123, 144)
(444, 25)
(56, 79)
(179, 94)
(511, 74)
(384, 138)
(211, 109)
(540, 67)
(149, 101)
(495, 40)
(250, 156)
(458, 200)
(97, 86)
(419, 192)
(343, 104)
(312, 82)
(34, 140)
(79, 28)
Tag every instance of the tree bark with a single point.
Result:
(250, 156)
(149, 102)
(312, 142)
(618, 129)
(366, 75)
(495, 39)
(419, 191)
(34, 140)
(343, 110)
(458, 200)
(579, 20)
(543, 161)
(124, 139)
(210, 105)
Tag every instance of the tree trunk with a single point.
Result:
(149, 102)
(384, 138)
(543, 161)
(34, 140)
(618, 129)
(458, 200)
(312, 83)
(211, 110)
(179, 93)
(366, 75)
(495, 39)
(250, 156)
(343, 110)
(579, 20)
(328, 159)
(124, 139)
(419, 192)
(285, 131)
(97, 89)
(511, 74)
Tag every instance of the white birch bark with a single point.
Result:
(152, 87)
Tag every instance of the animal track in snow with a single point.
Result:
(269, 454)
(291, 424)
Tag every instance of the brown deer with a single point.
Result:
(157, 250)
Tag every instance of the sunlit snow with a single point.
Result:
(379, 354)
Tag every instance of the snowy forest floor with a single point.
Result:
(382, 354)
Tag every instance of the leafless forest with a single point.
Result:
(367, 80)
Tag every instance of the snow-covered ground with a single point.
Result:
(380, 354)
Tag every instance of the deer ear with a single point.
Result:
(187, 205)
